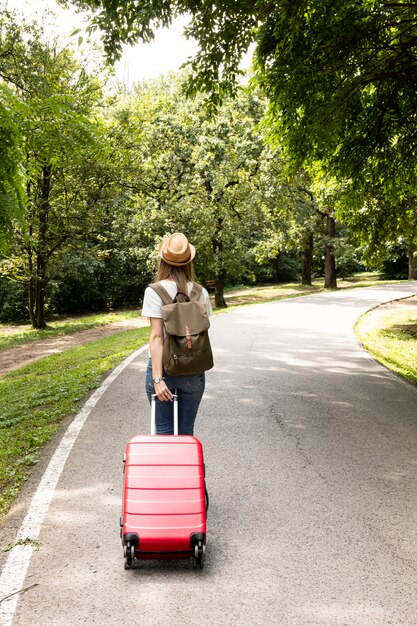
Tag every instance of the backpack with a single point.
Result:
(187, 347)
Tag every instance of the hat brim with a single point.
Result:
(176, 264)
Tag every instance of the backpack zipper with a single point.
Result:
(186, 356)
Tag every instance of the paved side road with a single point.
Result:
(311, 455)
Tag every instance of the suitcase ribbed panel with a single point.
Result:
(163, 476)
(165, 452)
(164, 500)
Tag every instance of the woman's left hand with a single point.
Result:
(162, 391)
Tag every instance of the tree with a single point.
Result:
(384, 228)
(309, 214)
(184, 171)
(58, 142)
(340, 75)
(11, 174)
(223, 30)
(11, 170)
(320, 55)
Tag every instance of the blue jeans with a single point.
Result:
(190, 390)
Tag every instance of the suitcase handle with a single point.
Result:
(153, 413)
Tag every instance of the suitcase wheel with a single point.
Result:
(129, 554)
(199, 552)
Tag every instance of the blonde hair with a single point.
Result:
(182, 274)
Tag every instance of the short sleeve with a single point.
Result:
(151, 304)
(207, 301)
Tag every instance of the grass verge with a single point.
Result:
(66, 326)
(34, 399)
(390, 335)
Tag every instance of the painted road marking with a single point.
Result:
(16, 567)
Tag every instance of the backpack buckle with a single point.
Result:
(188, 337)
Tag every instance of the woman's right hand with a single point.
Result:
(162, 391)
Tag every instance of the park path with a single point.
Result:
(13, 358)
(310, 451)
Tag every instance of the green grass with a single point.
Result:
(391, 337)
(67, 326)
(34, 399)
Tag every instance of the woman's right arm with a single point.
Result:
(156, 345)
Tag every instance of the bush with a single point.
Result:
(395, 268)
(284, 268)
(13, 301)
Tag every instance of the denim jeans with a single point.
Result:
(190, 390)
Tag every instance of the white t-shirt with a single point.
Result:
(152, 302)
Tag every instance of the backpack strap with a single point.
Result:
(196, 292)
(162, 293)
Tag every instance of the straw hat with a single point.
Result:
(176, 250)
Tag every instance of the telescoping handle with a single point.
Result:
(153, 413)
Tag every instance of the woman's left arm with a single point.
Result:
(156, 345)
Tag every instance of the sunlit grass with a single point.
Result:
(391, 337)
(35, 398)
(65, 326)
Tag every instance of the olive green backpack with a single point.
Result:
(187, 347)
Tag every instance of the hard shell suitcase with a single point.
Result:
(164, 497)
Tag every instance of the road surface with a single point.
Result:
(311, 456)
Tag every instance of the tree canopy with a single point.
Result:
(340, 75)
(96, 180)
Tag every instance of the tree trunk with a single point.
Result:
(40, 293)
(412, 263)
(220, 277)
(31, 302)
(219, 301)
(329, 256)
(29, 250)
(41, 252)
(307, 268)
(31, 291)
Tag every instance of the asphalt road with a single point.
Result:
(311, 456)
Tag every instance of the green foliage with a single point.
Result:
(11, 171)
(341, 82)
(212, 178)
(106, 179)
(223, 30)
(343, 75)
(386, 231)
(394, 265)
(73, 285)
(12, 301)
(340, 78)
(60, 142)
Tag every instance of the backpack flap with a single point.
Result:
(181, 316)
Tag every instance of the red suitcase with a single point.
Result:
(164, 497)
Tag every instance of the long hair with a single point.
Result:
(182, 274)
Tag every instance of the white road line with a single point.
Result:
(16, 567)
